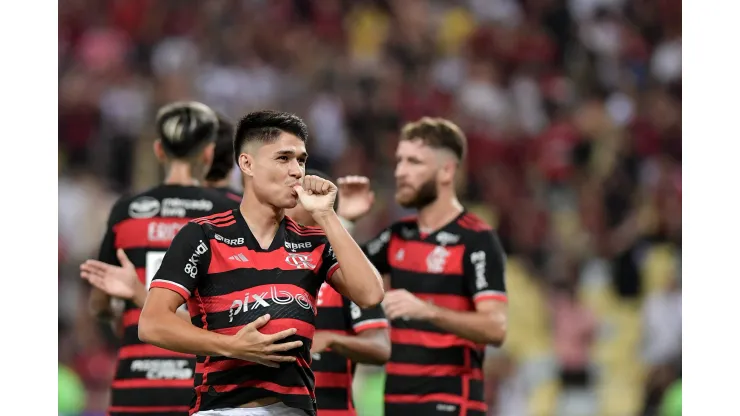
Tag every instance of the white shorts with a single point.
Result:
(277, 409)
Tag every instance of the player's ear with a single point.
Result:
(159, 151)
(207, 157)
(447, 172)
(246, 163)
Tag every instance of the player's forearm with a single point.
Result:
(361, 349)
(361, 280)
(169, 331)
(481, 328)
(100, 304)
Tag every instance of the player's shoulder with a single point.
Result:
(134, 205)
(300, 230)
(403, 223)
(221, 201)
(473, 224)
(220, 220)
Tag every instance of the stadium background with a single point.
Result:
(573, 114)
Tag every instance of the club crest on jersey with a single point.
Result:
(446, 238)
(144, 207)
(437, 259)
(300, 261)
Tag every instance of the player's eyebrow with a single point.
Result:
(290, 152)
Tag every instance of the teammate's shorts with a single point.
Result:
(429, 409)
(277, 409)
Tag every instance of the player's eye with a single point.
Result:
(283, 158)
(302, 160)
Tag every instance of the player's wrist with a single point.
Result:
(432, 313)
(324, 217)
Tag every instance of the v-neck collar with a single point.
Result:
(440, 229)
(251, 240)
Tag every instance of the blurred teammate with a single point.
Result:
(251, 277)
(446, 271)
(223, 160)
(150, 380)
(345, 334)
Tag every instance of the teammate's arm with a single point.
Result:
(100, 302)
(185, 262)
(370, 344)
(484, 281)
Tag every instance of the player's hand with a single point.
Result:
(249, 344)
(317, 195)
(117, 281)
(400, 303)
(322, 340)
(355, 197)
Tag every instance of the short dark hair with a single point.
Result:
(323, 175)
(437, 133)
(185, 127)
(265, 126)
(223, 153)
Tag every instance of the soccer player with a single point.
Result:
(148, 379)
(446, 276)
(251, 277)
(345, 334)
(223, 160)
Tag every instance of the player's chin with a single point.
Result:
(404, 198)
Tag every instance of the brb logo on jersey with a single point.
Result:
(265, 299)
(191, 267)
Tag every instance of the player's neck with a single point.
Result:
(262, 219)
(439, 213)
(180, 174)
(222, 183)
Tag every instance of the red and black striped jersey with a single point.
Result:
(228, 281)
(432, 371)
(334, 372)
(148, 378)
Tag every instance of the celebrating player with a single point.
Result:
(345, 334)
(446, 269)
(251, 278)
(150, 380)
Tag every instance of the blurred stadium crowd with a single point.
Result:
(572, 110)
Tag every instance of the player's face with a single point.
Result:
(277, 168)
(416, 174)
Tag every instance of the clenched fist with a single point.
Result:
(317, 195)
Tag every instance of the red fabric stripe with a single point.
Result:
(336, 413)
(276, 259)
(303, 232)
(329, 297)
(263, 385)
(145, 383)
(332, 270)
(163, 284)
(453, 302)
(437, 397)
(147, 409)
(281, 292)
(370, 325)
(223, 365)
(305, 329)
(233, 197)
(147, 350)
(472, 222)
(500, 298)
(416, 252)
(428, 339)
(328, 380)
(224, 214)
(402, 369)
(220, 224)
(291, 222)
(147, 232)
(131, 317)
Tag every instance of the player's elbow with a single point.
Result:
(384, 354)
(147, 325)
(495, 334)
(370, 299)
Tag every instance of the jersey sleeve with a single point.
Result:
(185, 262)
(484, 268)
(329, 263)
(364, 319)
(376, 251)
(107, 252)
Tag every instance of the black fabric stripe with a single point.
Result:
(422, 384)
(330, 362)
(124, 371)
(414, 354)
(288, 375)
(333, 319)
(222, 284)
(332, 398)
(221, 320)
(439, 284)
(152, 397)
